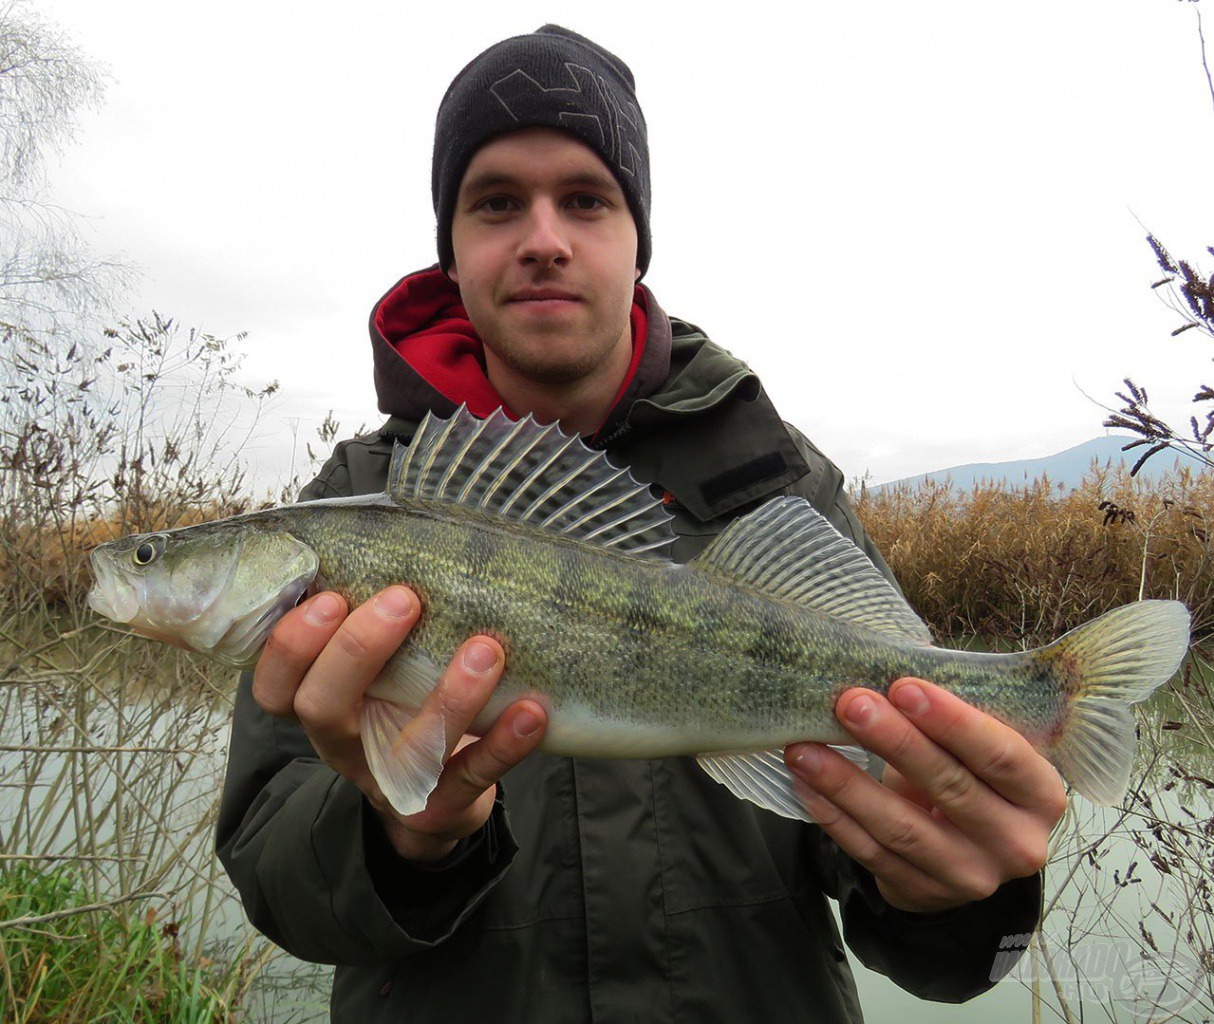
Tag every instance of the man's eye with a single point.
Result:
(586, 202)
(497, 204)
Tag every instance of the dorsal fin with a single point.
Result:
(531, 474)
(788, 550)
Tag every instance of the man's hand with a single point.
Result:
(965, 803)
(315, 670)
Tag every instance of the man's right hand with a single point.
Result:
(315, 670)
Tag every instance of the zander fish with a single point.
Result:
(521, 532)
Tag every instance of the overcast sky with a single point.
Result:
(923, 224)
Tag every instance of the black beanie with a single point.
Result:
(552, 78)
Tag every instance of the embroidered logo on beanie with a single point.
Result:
(620, 140)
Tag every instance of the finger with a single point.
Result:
(959, 867)
(290, 650)
(903, 827)
(428, 738)
(895, 734)
(883, 729)
(332, 691)
(902, 883)
(893, 779)
(477, 767)
(994, 752)
(466, 686)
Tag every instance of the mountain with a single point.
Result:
(1066, 468)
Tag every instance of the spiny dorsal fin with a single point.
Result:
(786, 549)
(532, 474)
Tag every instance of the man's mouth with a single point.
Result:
(541, 295)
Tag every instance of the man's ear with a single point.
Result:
(453, 274)
(636, 274)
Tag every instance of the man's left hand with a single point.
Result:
(965, 803)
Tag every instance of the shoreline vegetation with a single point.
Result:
(113, 906)
(114, 746)
(112, 750)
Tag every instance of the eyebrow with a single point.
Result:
(496, 179)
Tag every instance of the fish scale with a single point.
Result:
(520, 532)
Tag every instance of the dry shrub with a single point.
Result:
(140, 430)
(1025, 564)
(113, 747)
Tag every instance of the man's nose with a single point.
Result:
(545, 239)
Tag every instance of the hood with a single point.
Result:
(428, 356)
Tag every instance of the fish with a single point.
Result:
(514, 529)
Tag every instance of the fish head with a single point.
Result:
(218, 588)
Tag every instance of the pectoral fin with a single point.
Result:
(404, 752)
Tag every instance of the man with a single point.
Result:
(600, 890)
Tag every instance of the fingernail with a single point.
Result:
(525, 724)
(479, 657)
(394, 603)
(860, 710)
(910, 698)
(808, 758)
(322, 610)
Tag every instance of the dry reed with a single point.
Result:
(112, 748)
(1023, 565)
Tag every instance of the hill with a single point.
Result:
(1065, 468)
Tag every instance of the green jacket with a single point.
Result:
(604, 891)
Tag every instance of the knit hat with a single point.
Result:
(552, 78)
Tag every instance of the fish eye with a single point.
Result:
(148, 551)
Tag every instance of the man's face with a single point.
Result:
(545, 258)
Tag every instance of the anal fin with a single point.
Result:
(762, 778)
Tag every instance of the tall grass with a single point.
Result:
(62, 961)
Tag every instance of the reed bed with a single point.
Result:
(1023, 565)
(111, 757)
(112, 904)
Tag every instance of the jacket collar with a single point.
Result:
(710, 435)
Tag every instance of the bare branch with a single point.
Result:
(55, 915)
(1204, 62)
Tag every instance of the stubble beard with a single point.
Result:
(528, 358)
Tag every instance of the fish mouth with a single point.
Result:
(111, 594)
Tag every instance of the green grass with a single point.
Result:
(65, 963)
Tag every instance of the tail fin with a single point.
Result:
(1116, 660)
